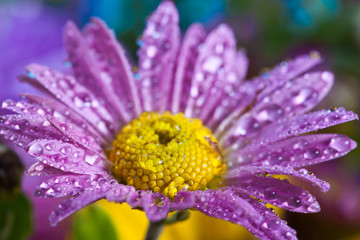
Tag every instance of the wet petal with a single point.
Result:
(23, 129)
(295, 97)
(156, 206)
(277, 192)
(272, 227)
(157, 57)
(119, 192)
(52, 108)
(298, 151)
(301, 124)
(87, 67)
(115, 70)
(213, 65)
(299, 95)
(71, 132)
(232, 106)
(69, 206)
(183, 201)
(189, 52)
(303, 174)
(67, 157)
(77, 97)
(41, 169)
(63, 186)
(285, 71)
(227, 205)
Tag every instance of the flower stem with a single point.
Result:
(154, 230)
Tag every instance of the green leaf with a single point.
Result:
(15, 217)
(93, 223)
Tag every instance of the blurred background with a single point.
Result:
(270, 31)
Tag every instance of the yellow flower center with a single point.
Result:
(166, 153)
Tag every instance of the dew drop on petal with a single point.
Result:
(212, 64)
(312, 153)
(91, 159)
(269, 194)
(273, 223)
(36, 149)
(340, 144)
(294, 201)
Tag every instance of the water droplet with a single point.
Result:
(151, 51)
(91, 159)
(314, 207)
(212, 64)
(294, 201)
(340, 144)
(105, 77)
(273, 223)
(302, 96)
(66, 150)
(35, 149)
(269, 193)
(49, 146)
(269, 113)
(302, 144)
(312, 153)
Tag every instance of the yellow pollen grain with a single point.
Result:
(166, 153)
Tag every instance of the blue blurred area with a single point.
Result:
(309, 12)
(125, 15)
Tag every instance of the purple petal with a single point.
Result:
(77, 97)
(63, 186)
(231, 108)
(67, 157)
(298, 151)
(157, 56)
(53, 108)
(69, 206)
(303, 174)
(189, 52)
(285, 71)
(295, 97)
(41, 169)
(23, 129)
(272, 227)
(226, 205)
(71, 132)
(302, 124)
(183, 201)
(119, 193)
(277, 192)
(155, 205)
(89, 71)
(229, 206)
(235, 68)
(116, 75)
(214, 63)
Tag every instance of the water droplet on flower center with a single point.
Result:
(166, 153)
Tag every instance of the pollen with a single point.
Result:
(166, 153)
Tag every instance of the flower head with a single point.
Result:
(184, 131)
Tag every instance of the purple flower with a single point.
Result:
(184, 131)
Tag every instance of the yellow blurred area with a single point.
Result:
(132, 225)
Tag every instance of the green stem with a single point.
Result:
(154, 230)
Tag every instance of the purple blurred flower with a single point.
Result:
(258, 125)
